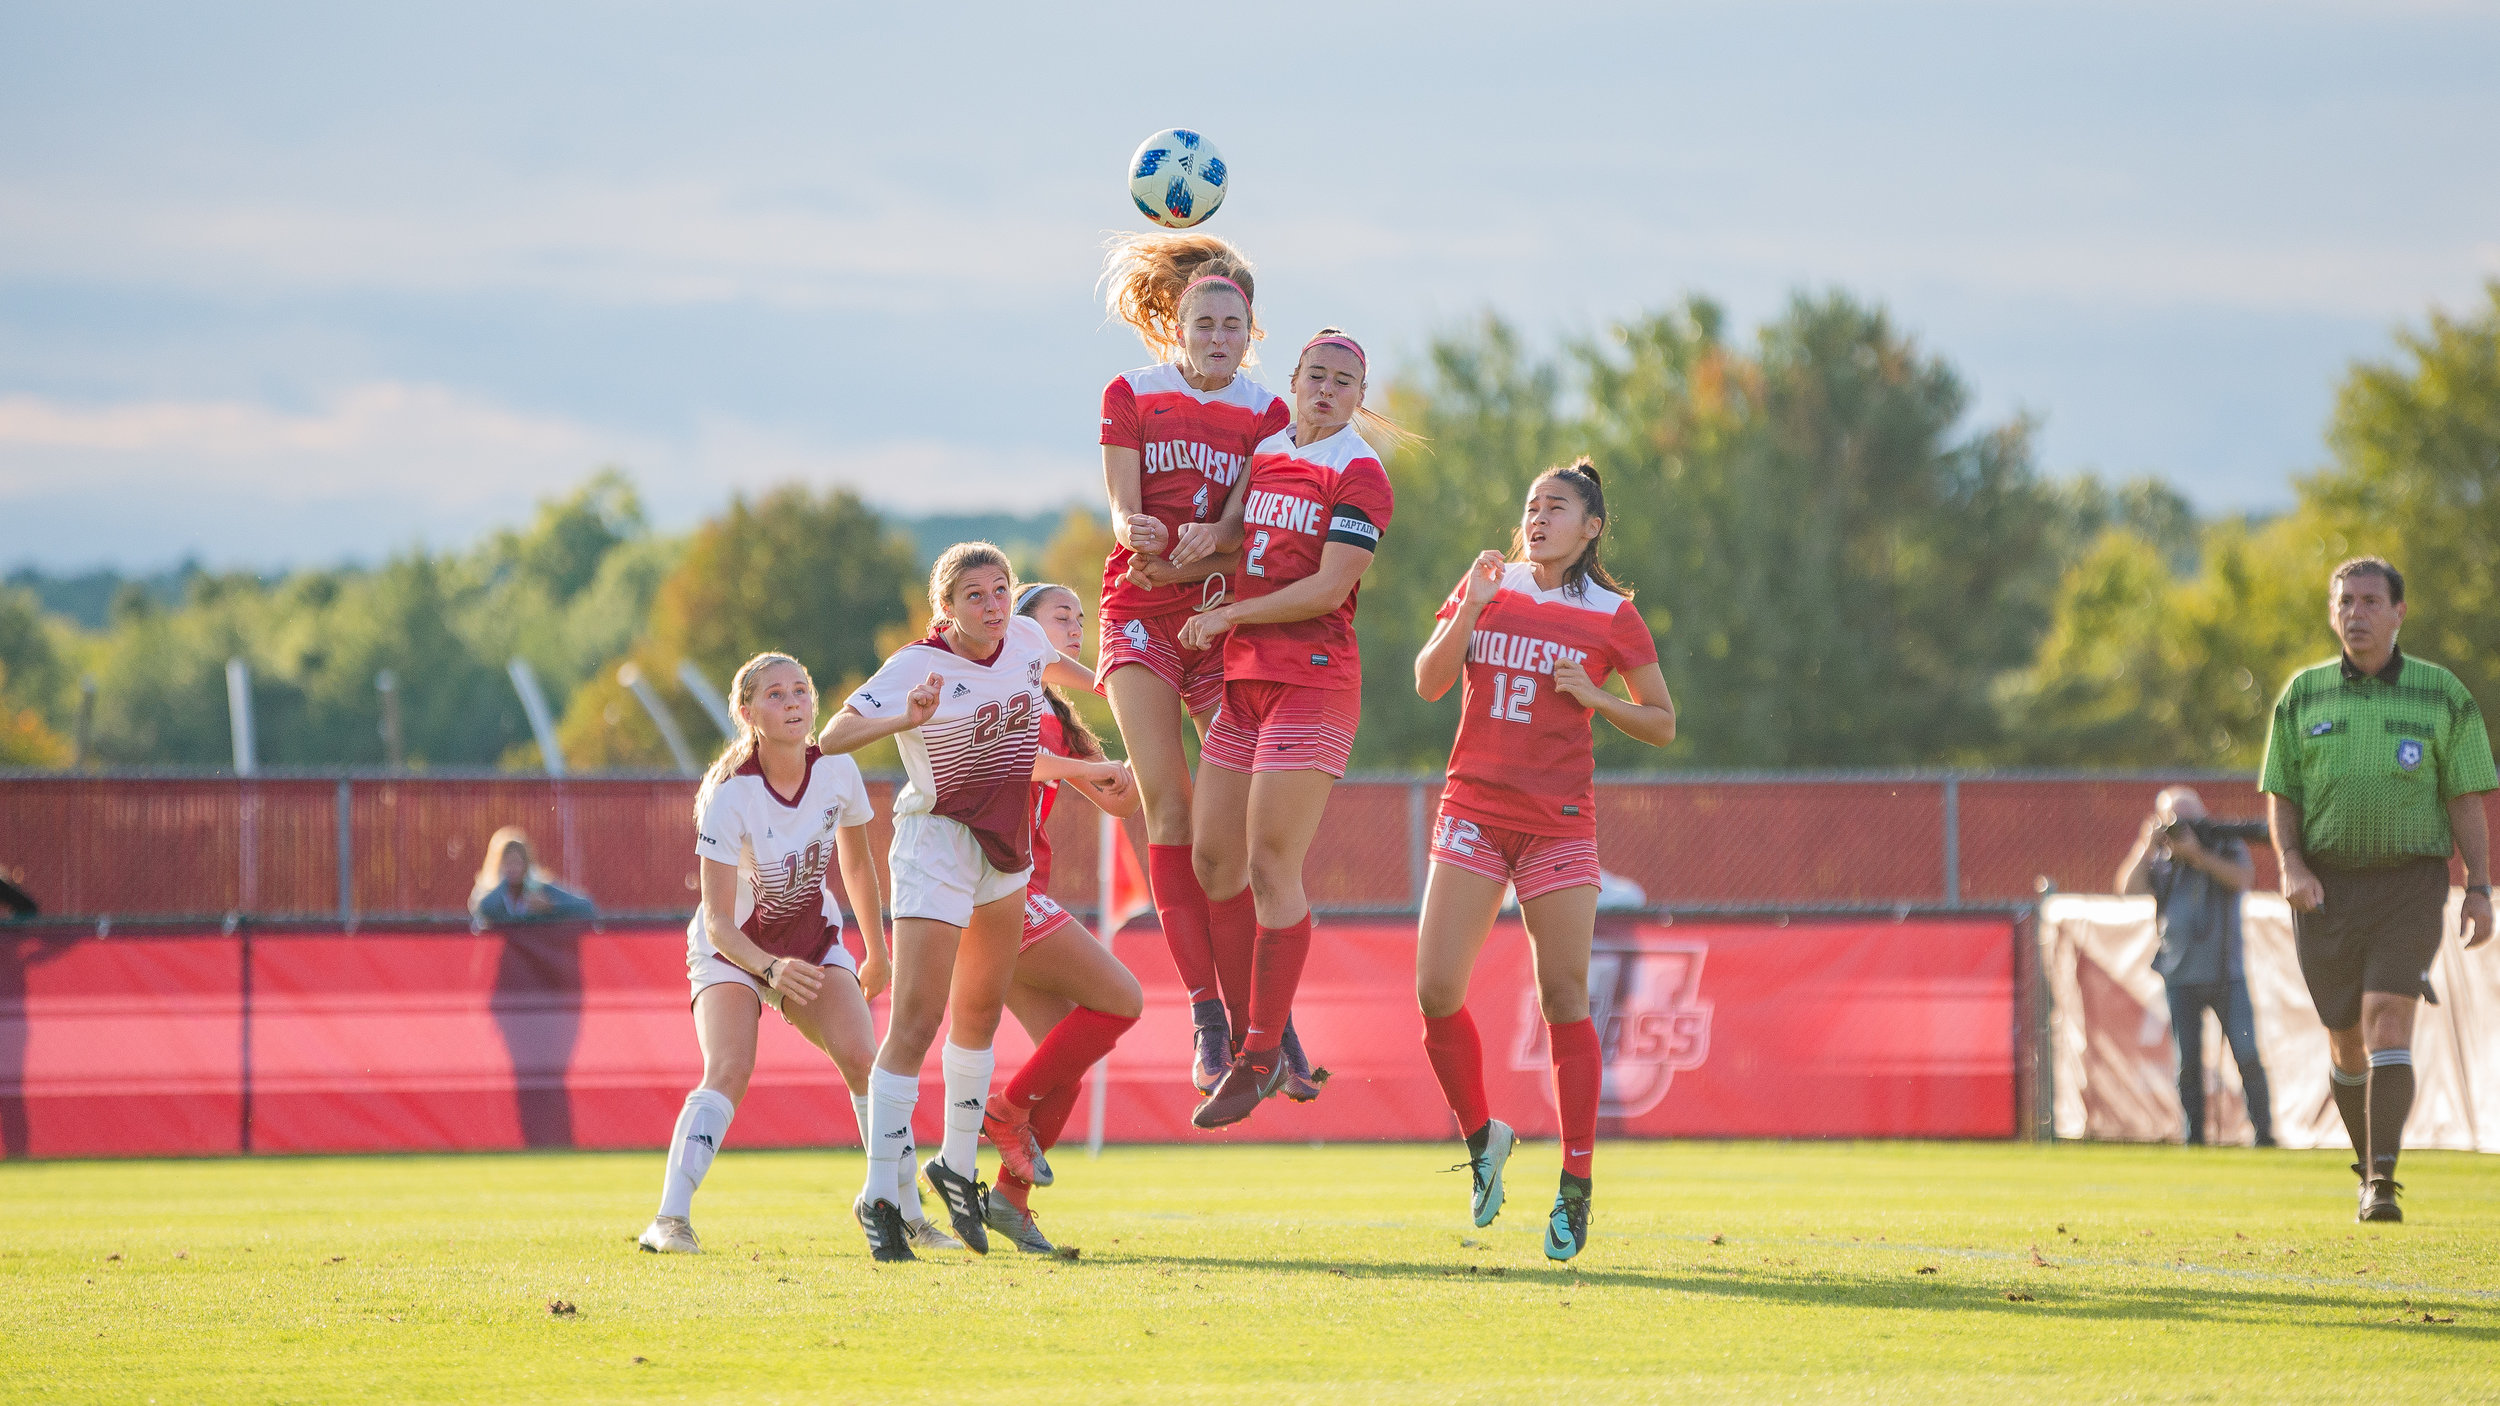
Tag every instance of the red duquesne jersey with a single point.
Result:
(1045, 796)
(783, 849)
(1300, 500)
(972, 761)
(1192, 447)
(1523, 758)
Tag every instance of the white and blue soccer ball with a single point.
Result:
(1176, 178)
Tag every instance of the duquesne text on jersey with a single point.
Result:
(1519, 653)
(1173, 456)
(1292, 512)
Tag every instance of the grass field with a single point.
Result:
(1718, 1271)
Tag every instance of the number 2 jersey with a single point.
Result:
(1524, 759)
(1192, 447)
(1301, 499)
(972, 761)
(783, 850)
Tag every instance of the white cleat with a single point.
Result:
(670, 1235)
(924, 1235)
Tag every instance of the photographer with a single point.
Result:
(2196, 869)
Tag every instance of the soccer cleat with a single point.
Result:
(2378, 1200)
(888, 1241)
(1010, 1130)
(1487, 1168)
(1211, 1051)
(962, 1195)
(923, 1234)
(1567, 1229)
(1302, 1082)
(1016, 1224)
(670, 1235)
(1245, 1087)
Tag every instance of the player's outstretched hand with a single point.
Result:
(797, 981)
(1147, 534)
(1484, 577)
(1573, 679)
(922, 702)
(1203, 629)
(2476, 919)
(2302, 890)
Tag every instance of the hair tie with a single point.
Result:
(1338, 339)
(1192, 287)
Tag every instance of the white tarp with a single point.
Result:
(2116, 1067)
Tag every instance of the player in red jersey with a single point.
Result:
(1536, 638)
(1071, 994)
(1176, 443)
(1317, 504)
(963, 706)
(770, 814)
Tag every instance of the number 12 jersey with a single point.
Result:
(1524, 759)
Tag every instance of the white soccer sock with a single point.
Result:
(967, 1091)
(891, 1099)
(701, 1125)
(859, 1112)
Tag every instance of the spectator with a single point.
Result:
(2196, 890)
(510, 889)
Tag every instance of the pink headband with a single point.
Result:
(1338, 339)
(1211, 278)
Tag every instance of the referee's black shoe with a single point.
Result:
(2378, 1200)
(962, 1196)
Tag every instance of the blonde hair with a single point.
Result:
(742, 746)
(1144, 278)
(1379, 430)
(490, 873)
(954, 562)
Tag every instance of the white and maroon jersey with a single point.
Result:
(972, 761)
(783, 847)
(1302, 499)
(1192, 447)
(1523, 759)
(1045, 796)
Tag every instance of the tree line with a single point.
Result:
(1842, 571)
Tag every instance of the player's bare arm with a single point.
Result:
(1124, 480)
(861, 885)
(1341, 568)
(1444, 657)
(850, 730)
(1647, 716)
(795, 980)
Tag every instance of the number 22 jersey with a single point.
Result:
(972, 761)
(1524, 759)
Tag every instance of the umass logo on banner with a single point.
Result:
(1645, 1000)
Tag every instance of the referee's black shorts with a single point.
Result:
(2378, 931)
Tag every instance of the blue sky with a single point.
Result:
(285, 284)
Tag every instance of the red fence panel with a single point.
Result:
(1771, 841)
(2074, 833)
(564, 1036)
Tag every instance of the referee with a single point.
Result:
(2375, 772)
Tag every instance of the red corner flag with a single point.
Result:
(1122, 883)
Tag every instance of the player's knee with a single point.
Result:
(728, 1075)
(1275, 877)
(1562, 1003)
(1438, 997)
(1167, 817)
(1128, 1002)
(1220, 875)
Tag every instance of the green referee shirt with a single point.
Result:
(2372, 760)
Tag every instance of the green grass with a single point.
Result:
(1718, 1271)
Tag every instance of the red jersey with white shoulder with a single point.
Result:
(972, 761)
(1192, 447)
(1524, 759)
(1054, 740)
(1301, 499)
(783, 849)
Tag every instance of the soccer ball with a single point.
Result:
(1176, 178)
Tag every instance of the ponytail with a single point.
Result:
(741, 748)
(1146, 278)
(1580, 476)
(1082, 742)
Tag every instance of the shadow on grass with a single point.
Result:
(2198, 1303)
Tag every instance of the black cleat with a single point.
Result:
(1302, 1082)
(963, 1196)
(2378, 1200)
(1245, 1087)
(1210, 1046)
(888, 1241)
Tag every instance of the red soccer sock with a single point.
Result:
(1233, 931)
(1066, 1053)
(1015, 1189)
(1182, 907)
(1050, 1116)
(1457, 1056)
(1275, 974)
(1579, 1068)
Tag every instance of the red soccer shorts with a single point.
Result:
(1042, 917)
(1197, 675)
(1536, 865)
(1269, 726)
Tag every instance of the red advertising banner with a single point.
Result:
(263, 1041)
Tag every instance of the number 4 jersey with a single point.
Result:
(1524, 759)
(972, 761)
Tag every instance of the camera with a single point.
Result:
(2210, 832)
